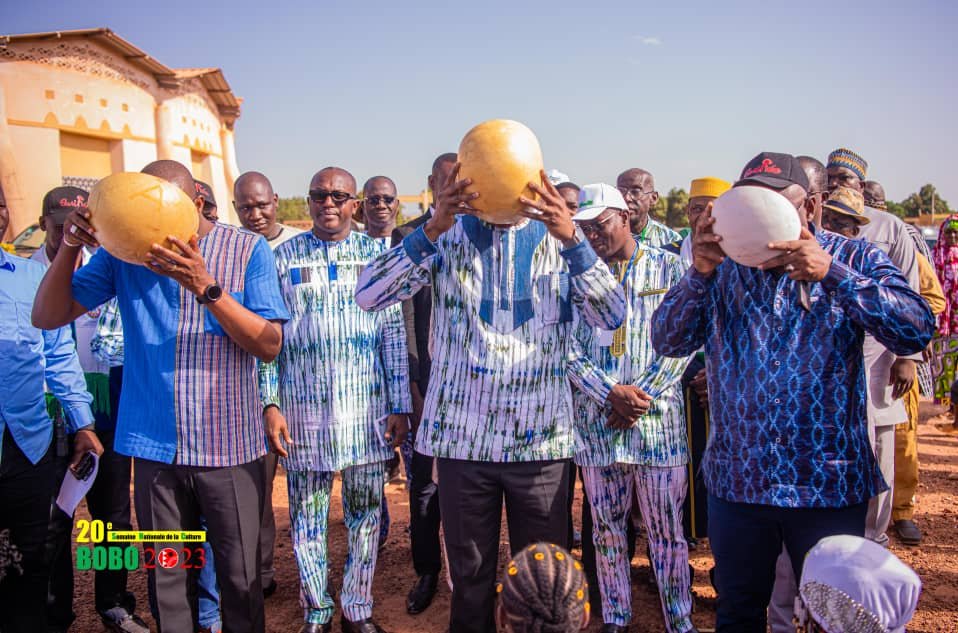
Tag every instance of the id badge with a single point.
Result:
(605, 337)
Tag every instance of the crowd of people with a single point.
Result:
(771, 410)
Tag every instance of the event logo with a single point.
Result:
(107, 549)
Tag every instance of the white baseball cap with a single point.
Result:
(596, 198)
(555, 176)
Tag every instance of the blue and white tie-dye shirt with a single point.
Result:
(503, 305)
(658, 438)
(786, 384)
(342, 370)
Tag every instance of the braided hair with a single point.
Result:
(543, 591)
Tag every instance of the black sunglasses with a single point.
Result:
(319, 196)
(375, 200)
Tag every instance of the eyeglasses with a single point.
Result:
(593, 228)
(634, 192)
(319, 196)
(375, 200)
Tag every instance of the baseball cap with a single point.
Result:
(203, 189)
(774, 170)
(847, 202)
(59, 201)
(596, 198)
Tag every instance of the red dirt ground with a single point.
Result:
(936, 560)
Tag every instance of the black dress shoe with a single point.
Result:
(422, 593)
(614, 628)
(312, 627)
(270, 589)
(363, 626)
(908, 532)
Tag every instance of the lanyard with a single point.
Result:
(617, 348)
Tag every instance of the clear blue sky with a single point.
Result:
(685, 90)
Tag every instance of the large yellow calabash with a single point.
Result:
(132, 211)
(501, 157)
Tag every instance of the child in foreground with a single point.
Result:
(543, 591)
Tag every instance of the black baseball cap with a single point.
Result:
(59, 201)
(203, 189)
(774, 170)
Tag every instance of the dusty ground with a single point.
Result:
(936, 561)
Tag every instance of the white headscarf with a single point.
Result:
(853, 584)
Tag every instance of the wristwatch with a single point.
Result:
(211, 294)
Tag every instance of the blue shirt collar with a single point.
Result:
(6, 261)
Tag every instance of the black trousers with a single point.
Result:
(267, 529)
(230, 499)
(536, 499)
(695, 514)
(108, 501)
(25, 493)
(746, 542)
(424, 516)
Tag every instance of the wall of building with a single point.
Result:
(105, 104)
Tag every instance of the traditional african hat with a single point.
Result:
(853, 584)
(843, 157)
(847, 202)
(708, 187)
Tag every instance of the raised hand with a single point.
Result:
(450, 201)
(550, 209)
(802, 260)
(706, 252)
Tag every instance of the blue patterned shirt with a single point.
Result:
(503, 304)
(658, 437)
(786, 384)
(342, 370)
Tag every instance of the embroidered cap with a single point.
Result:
(774, 170)
(844, 157)
(596, 198)
(853, 584)
(708, 187)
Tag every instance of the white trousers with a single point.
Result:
(880, 506)
(661, 492)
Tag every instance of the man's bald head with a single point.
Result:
(340, 175)
(378, 182)
(174, 172)
(874, 194)
(251, 180)
(815, 171)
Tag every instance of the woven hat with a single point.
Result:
(844, 157)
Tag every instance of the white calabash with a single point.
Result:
(748, 218)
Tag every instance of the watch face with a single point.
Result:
(214, 292)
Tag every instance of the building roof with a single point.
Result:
(212, 79)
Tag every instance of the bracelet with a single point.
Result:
(69, 243)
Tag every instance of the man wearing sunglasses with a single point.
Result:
(630, 425)
(498, 413)
(380, 207)
(336, 399)
(637, 187)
